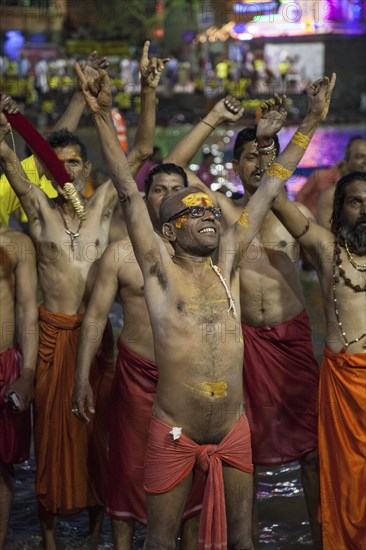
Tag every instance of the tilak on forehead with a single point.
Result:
(197, 199)
(193, 199)
(72, 154)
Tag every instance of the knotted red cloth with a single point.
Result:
(169, 461)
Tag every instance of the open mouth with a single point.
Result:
(211, 230)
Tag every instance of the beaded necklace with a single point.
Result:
(227, 290)
(359, 267)
(338, 262)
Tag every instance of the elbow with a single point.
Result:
(143, 152)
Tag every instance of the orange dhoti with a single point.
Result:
(169, 461)
(342, 450)
(71, 457)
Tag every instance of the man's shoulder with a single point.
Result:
(120, 252)
(17, 243)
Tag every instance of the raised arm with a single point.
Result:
(71, 117)
(281, 169)
(309, 234)
(151, 70)
(228, 109)
(26, 319)
(147, 245)
(92, 328)
(14, 172)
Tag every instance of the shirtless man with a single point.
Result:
(18, 356)
(134, 386)
(281, 396)
(339, 258)
(67, 249)
(354, 161)
(193, 306)
(32, 166)
(135, 381)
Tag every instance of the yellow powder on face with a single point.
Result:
(73, 155)
(179, 221)
(197, 199)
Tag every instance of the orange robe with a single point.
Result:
(71, 457)
(169, 461)
(342, 450)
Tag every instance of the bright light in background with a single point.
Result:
(14, 41)
(254, 7)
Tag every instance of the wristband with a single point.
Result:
(300, 139)
(279, 171)
(207, 124)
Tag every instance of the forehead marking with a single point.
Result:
(197, 199)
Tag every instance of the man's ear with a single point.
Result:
(235, 166)
(168, 231)
(87, 168)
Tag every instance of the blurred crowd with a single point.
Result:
(48, 82)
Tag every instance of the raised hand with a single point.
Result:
(273, 117)
(229, 109)
(96, 90)
(319, 95)
(151, 69)
(95, 62)
(9, 104)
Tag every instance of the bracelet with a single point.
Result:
(279, 171)
(207, 124)
(300, 139)
(306, 229)
(25, 192)
(265, 150)
(262, 170)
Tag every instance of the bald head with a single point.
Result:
(174, 203)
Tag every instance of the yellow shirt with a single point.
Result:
(8, 199)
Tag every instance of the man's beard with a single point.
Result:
(355, 237)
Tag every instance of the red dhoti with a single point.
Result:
(132, 397)
(169, 461)
(342, 450)
(15, 428)
(71, 458)
(281, 379)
